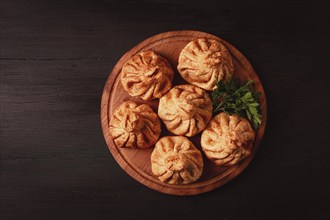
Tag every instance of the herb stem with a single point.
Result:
(233, 97)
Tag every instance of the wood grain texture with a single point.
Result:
(55, 57)
(136, 162)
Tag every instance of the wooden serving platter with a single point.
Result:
(136, 162)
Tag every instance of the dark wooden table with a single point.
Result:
(55, 59)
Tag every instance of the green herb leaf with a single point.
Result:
(233, 97)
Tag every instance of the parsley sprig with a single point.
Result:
(233, 97)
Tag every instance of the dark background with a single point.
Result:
(55, 59)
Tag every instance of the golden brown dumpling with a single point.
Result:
(147, 75)
(227, 139)
(185, 110)
(203, 62)
(175, 160)
(134, 126)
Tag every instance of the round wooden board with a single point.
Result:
(136, 162)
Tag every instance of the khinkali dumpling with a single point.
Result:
(203, 62)
(227, 139)
(185, 110)
(134, 126)
(147, 75)
(175, 160)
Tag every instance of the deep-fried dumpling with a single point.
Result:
(147, 75)
(227, 139)
(185, 110)
(203, 62)
(175, 160)
(134, 126)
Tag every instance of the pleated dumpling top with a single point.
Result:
(227, 139)
(134, 126)
(175, 160)
(185, 110)
(147, 75)
(203, 62)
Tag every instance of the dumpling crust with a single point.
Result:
(185, 110)
(203, 62)
(147, 75)
(134, 126)
(227, 139)
(175, 160)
